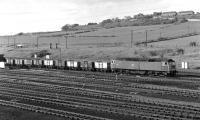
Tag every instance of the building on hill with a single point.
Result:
(172, 14)
(195, 16)
(139, 16)
(157, 13)
(183, 13)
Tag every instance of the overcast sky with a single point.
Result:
(49, 15)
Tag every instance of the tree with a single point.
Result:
(66, 27)
(104, 22)
(74, 25)
(21, 33)
(92, 24)
(116, 19)
(157, 13)
(127, 17)
(148, 16)
(139, 16)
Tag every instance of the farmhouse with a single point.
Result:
(169, 14)
(193, 20)
(182, 13)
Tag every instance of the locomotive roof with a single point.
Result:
(146, 59)
(132, 59)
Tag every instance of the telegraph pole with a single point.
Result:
(58, 41)
(37, 41)
(60, 53)
(161, 30)
(146, 37)
(8, 40)
(14, 42)
(66, 41)
(188, 27)
(131, 38)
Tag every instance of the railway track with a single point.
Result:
(49, 111)
(165, 109)
(110, 76)
(113, 86)
(161, 110)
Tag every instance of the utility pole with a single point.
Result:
(56, 45)
(8, 40)
(37, 41)
(131, 38)
(66, 41)
(58, 41)
(2, 43)
(161, 30)
(14, 42)
(50, 45)
(188, 27)
(60, 56)
(146, 37)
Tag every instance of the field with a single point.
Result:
(104, 43)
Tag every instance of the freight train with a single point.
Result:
(165, 67)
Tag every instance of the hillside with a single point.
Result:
(105, 43)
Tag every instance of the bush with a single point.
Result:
(193, 44)
(180, 51)
(74, 25)
(183, 20)
(104, 22)
(161, 39)
(92, 24)
(65, 27)
(21, 33)
(136, 52)
(69, 27)
(153, 53)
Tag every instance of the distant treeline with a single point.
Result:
(136, 20)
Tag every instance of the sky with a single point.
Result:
(50, 15)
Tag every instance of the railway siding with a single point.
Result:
(96, 93)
